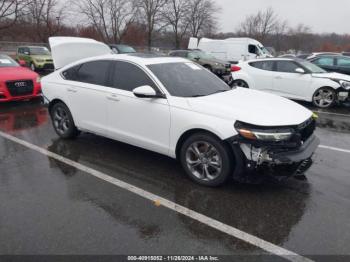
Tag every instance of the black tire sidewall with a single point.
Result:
(72, 131)
(327, 88)
(240, 80)
(226, 156)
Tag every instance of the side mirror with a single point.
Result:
(300, 71)
(146, 92)
(196, 58)
(22, 63)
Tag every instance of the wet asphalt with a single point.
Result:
(47, 207)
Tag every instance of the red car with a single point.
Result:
(16, 81)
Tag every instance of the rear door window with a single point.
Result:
(94, 72)
(286, 66)
(324, 61)
(263, 65)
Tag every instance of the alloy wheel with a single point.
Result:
(324, 98)
(61, 120)
(240, 83)
(204, 161)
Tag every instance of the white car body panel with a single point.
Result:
(290, 85)
(157, 124)
(66, 50)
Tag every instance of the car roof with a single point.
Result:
(138, 58)
(31, 46)
(276, 59)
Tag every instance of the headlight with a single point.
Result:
(40, 60)
(345, 84)
(38, 79)
(263, 135)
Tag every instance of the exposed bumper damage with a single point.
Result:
(290, 158)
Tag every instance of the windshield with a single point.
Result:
(312, 67)
(264, 50)
(6, 61)
(202, 55)
(39, 51)
(126, 49)
(188, 79)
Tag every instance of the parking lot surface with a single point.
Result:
(50, 207)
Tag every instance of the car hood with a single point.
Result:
(333, 76)
(44, 57)
(66, 50)
(16, 73)
(252, 107)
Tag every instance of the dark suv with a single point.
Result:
(219, 67)
(332, 63)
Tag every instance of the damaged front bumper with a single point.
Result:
(278, 161)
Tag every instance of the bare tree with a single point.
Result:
(175, 14)
(261, 25)
(201, 16)
(46, 17)
(299, 37)
(150, 13)
(109, 17)
(9, 12)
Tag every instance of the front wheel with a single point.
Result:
(240, 83)
(62, 121)
(324, 97)
(206, 159)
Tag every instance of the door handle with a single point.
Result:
(72, 90)
(113, 97)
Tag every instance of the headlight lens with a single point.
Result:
(262, 135)
(40, 60)
(345, 84)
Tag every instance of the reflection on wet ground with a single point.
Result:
(309, 217)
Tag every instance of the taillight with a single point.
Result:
(235, 68)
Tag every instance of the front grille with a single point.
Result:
(20, 88)
(306, 129)
(48, 67)
(49, 60)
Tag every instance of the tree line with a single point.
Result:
(165, 23)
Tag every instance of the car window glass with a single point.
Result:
(93, 72)
(127, 77)
(192, 55)
(286, 66)
(264, 65)
(324, 61)
(344, 62)
(252, 49)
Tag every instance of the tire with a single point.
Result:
(62, 121)
(32, 67)
(324, 97)
(240, 83)
(206, 159)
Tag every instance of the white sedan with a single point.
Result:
(177, 108)
(293, 78)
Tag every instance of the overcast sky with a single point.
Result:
(321, 15)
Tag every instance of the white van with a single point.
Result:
(231, 49)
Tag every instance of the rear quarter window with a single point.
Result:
(263, 65)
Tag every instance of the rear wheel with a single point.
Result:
(324, 97)
(63, 122)
(240, 83)
(206, 159)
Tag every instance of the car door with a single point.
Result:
(263, 74)
(326, 62)
(343, 65)
(86, 91)
(143, 122)
(288, 83)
